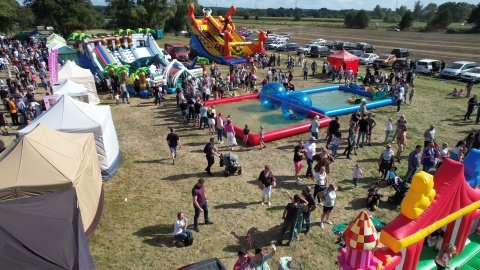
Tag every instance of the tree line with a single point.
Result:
(67, 16)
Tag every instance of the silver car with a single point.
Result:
(367, 58)
(455, 69)
(471, 74)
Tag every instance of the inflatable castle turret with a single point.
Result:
(360, 238)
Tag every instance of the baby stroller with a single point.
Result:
(230, 162)
(400, 188)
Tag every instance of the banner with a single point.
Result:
(53, 66)
(50, 100)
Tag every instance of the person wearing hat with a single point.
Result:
(429, 136)
(310, 148)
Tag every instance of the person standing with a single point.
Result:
(311, 206)
(305, 71)
(469, 87)
(401, 125)
(266, 177)
(220, 128)
(371, 125)
(414, 159)
(333, 127)
(314, 67)
(362, 131)
(351, 141)
(210, 152)
(314, 125)
(445, 256)
(3, 124)
(231, 140)
(12, 109)
(173, 142)
(429, 136)
(290, 215)
(243, 262)
(328, 196)
(310, 148)
(200, 204)
(386, 161)
(299, 151)
(472, 102)
(400, 96)
(429, 156)
(357, 172)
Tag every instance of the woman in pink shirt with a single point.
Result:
(231, 141)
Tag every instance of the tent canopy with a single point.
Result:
(55, 45)
(345, 59)
(54, 37)
(79, 75)
(45, 161)
(73, 89)
(72, 116)
(66, 53)
(43, 232)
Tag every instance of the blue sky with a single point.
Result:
(317, 4)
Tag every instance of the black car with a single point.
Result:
(402, 63)
(335, 44)
(400, 52)
(288, 47)
(368, 48)
(348, 46)
(319, 51)
(357, 53)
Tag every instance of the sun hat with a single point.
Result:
(312, 138)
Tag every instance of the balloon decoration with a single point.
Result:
(296, 106)
(272, 95)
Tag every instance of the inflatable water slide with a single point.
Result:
(217, 39)
(126, 47)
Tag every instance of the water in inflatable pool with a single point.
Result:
(334, 99)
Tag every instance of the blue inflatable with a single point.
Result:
(296, 106)
(272, 95)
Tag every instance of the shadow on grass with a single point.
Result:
(185, 176)
(153, 161)
(239, 205)
(157, 235)
(255, 239)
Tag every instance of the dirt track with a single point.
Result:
(449, 47)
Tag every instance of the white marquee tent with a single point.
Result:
(79, 75)
(72, 116)
(73, 89)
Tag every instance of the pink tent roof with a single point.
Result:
(343, 56)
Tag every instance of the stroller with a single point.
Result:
(289, 263)
(400, 187)
(230, 162)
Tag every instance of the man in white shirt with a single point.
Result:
(310, 146)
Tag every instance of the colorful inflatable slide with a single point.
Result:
(217, 39)
(446, 201)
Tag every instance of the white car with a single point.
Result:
(319, 41)
(455, 69)
(471, 74)
(274, 45)
(305, 49)
(394, 29)
(367, 58)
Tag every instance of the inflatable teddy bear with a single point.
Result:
(420, 195)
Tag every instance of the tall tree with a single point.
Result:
(460, 10)
(417, 10)
(362, 19)
(428, 12)
(378, 12)
(401, 10)
(9, 10)
(407, 20)
(474, 18)
(440, 21)
(349, 20)
(65, 16)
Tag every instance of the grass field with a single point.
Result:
(142, 199)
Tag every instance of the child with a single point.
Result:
(336, 141)
(412, 92)
(357, 172)
(262, 144)
(321, 179)
(245, 134)
(445, 256)
(373, 199)
(389, 129)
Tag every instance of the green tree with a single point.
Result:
(460, 10)
(9, 10)
(428, 12)
(246, 17)
(65, 16)
(401, 10)
(391, 17)
(407, 20)
(474, 18)
(417, 10)
(349, 20)
(362, 19)
(378, 12)
(440, 21)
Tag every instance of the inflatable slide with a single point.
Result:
(217, 39)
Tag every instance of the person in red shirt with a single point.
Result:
(243, 262)
(200, 203)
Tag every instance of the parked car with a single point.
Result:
(285, 34)
(274, 45)
(319, 51)
(177, 51)
(455, 69)
(319, 41)
(400, 52)
(182, 33)
(348, 46)
(288, 47)
(271, 36)
(473, 73)
(357, 53)
(305, 49)
(368, 48)
(268, 41)
(393, 29)
(402, 63)
(428, 66)
(334, 44)
(385, 60)
(453, 31)
(367, 58)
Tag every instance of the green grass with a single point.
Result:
(137, 233)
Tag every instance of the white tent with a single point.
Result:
(55, 44)
(79, 75)
(73, 89)
(72, 116)
(54, 37)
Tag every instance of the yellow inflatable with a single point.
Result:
(420, 195)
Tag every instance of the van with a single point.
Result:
(428, 66)
(400, 52)
(177, 51)
(455, 69)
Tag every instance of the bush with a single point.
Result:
(256, 17)
(246, 17)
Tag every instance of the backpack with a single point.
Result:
(189, 240)
(205, 149)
